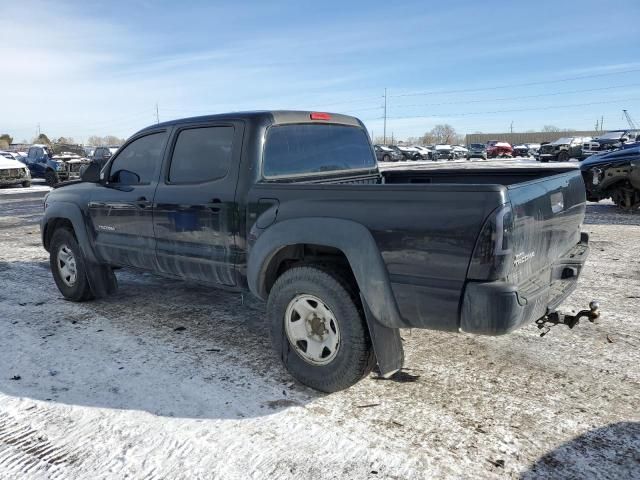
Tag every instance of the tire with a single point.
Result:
(386, 158)
(64, 244)
(51, 178)
(563, 156)
(351, 360)
(26, 184)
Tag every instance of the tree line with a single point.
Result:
(94, 140)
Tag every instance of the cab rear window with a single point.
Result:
(304, 149)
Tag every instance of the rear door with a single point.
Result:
(195, 215)
(121, 210)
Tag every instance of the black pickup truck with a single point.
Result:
(292, 206)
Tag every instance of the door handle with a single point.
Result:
(214, 206)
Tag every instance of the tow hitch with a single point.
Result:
(558, 318)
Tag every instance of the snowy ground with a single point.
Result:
(117, 389)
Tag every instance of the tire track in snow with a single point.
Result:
(26, 451)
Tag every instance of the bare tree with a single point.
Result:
(443, 134)
(551, 128)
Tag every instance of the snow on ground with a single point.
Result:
(37, 188)
(117, 389)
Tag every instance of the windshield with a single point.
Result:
(476, 145)
(304, 149)
(611, 136)
(563, 140)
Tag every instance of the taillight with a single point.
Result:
(493, 254)
(320, 116)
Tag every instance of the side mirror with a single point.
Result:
(126, 177)
(91, 173)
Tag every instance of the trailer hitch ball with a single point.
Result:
(558, 318)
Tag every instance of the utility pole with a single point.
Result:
(384, 134)
(511, 127)
(38, 129)
(157, 114)
(601, 122)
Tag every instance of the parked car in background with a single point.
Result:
(292, 207)
(426, 152)
(102, 154)
(13, 172)
(476, 150)
(387, 154)
(525, 149)
(562, 150)
(443, 152)
(614, 174)
(410, 153)
(459, 151)
(609, 141)
(496, 149)
(54, 167)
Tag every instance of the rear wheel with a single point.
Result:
(51, 178)
(318, 329)
(68, 266)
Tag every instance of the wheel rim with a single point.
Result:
(66, 262)
(312, 329)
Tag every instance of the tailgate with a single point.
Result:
(547, 216)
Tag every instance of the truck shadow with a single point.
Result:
(161, 346)
(611, 452)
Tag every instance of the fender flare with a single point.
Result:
(352, 238)
(101, 279)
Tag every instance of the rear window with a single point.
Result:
(313, 148)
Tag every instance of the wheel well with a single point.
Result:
(52, 226)
(292, 255)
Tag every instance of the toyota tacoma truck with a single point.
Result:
(293, 207)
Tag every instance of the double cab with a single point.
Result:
(292, 206)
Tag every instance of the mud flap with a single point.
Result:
(387, 344)
(101, 279)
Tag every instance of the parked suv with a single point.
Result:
(563, 149)
(477, 150)
(292, 207)
(387, 154)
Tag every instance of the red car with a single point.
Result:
(497, 149)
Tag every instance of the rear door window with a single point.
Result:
(201, 154)
(301, 149)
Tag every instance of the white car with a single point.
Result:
(426, 153)
(410, 153)
(13, 172)
(460, 151)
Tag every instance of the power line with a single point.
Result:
(521, 97)
(551, 107)
(528, 84)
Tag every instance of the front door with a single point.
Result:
(121, 209)
(195, 215)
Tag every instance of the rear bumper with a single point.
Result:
(496, 308)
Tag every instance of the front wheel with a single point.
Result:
(563, 157)
(386, 158)
(51, 178)
(26, 183)
(68, 266)
(318, 329)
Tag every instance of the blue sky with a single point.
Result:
(83, 68)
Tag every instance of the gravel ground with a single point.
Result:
(171, 380)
